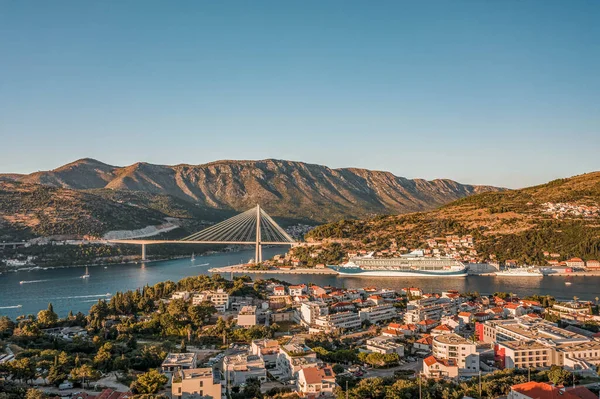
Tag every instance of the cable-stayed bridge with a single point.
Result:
(253, 227)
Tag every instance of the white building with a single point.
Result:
(316, 381)
(294, 356)
(378, 313)
(219, 299)
(247, 316)
(267, 349)
(241, 367)
(309, 311)
(184, 295)
(336, 321)
(384, 345)
(179, 361)
(456, 348)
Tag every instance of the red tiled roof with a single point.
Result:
(431, 360)
(541, 390)
(582, 392)
(315, 375)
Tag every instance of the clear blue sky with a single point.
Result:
(492, 92)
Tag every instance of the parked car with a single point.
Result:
(65, 385)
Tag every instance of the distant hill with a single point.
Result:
(32, 210)
(562, 216)
(284, 188)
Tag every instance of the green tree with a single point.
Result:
(34, 394)
(47, 317)
(103, 359)
(85, 374)
(149, 383)
(56, 375)
(6, 327)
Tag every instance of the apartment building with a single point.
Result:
(219, 299)
(194, 383)
(572, 308)
(179, 361)
(309, 311)
(183, 295)
(422, 309)
(384, 345)
(378, 313)
(267, 349)
(456, 348)
(337, 321)
(240, 367)
(523, 354)
(294, 356)
(248, 316)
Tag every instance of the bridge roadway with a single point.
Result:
(149, 242)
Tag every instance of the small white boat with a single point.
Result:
(193, 257)
(568, 283)
(87, 273)
(21, 282)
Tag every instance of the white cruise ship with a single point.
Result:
(520, 272)
(413, 264)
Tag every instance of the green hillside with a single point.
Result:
(514, 224)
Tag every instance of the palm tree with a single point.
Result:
(575, 299)
(597, 299)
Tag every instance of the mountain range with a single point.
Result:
(286, 189)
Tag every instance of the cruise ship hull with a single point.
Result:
(358, 272)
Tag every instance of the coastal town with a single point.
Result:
(309, 341)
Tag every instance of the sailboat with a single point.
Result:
(193, 257)
(87, 273)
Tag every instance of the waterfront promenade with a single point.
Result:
(243, 269)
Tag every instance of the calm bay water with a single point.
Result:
(67, 291)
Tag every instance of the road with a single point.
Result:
(414, 366)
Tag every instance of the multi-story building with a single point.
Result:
(378, 313)
(316, 381)
(422, 309)
(572, 308)
(267, 349)
(295, 290)
(454, 347)
(523, 354)
(247, 317)
(294, 356)
(219, 299)
(337, 321)
(240, 367)
(309, 311)
(384, 345)
(183, 295)
(195, 383)
(179, 361)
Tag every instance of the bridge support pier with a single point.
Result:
(143, 252)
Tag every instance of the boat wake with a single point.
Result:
(87, 296)
(202, 264)
(11, 307)
(32, 281)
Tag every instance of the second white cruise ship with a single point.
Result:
(413, 264)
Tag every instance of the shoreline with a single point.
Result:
(241, 270)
